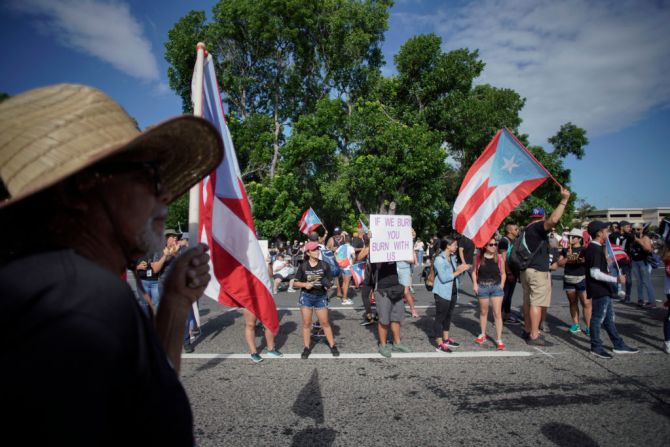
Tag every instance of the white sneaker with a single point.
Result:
(347, 302)
(290, 290)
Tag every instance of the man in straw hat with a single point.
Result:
(84, 193)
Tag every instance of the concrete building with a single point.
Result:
(651, 216)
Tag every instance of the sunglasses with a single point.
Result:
(492, 245)
(148, 168)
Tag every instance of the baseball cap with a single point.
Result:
(537, 212)
(596, 226)
(309, 246)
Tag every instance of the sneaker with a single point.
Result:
(399, 347)
(602, 354)
(305, 353)
(334, 351)
(511, 320)
(587, 331)
(256, 358)
(196, 331)
(411, 290)
(385, 350)
(367, 321)
(640, 303)
(525, 335)
(452, 344)
(650, 306)
(544, 327)
(625, 350)
(188, 347)
(276, 353)
(500, 346)
(481, 339)
(539, 341)
(347, 302)
(291, 290)
(443, 348)
(575, 328)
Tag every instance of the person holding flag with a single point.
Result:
(600, 280)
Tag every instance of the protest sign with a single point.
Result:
(391, 238)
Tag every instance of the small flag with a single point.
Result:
(358, 273)
(504, 175)
(612, 264)
(362, 228)
(309, 221)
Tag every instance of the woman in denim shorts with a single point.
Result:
(574, 281)
(314, 278)
(488, 278)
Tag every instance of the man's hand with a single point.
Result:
(142, 265)
(565, 194)
(622, 279)
(189, 274)
(309, 285)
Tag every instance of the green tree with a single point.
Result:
(3, 96)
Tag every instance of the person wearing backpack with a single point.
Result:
(535, 278)
(511, 277)
(488, 280)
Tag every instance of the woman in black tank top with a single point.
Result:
(488, 279)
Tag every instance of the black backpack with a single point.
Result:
(520, 257)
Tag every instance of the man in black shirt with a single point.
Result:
(599, 287)
(625, 239)
(536, 279)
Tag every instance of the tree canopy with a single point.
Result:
(316, 123)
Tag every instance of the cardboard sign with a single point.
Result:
(391, 238)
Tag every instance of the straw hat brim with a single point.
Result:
(51, 133)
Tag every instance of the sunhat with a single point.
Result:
(576, 232)
(50, 133)
(171, 232)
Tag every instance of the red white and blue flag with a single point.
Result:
(362, 228)
(358, 273)
(503, 175)
(309, 221)
(239, 273)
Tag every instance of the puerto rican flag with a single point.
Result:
(362, 228)
(309, 221)
(503, 175)
(239, 272)
(358, 273)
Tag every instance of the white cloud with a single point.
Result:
(104, 29)
(602, 65)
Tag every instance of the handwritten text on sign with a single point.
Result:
(391, 238)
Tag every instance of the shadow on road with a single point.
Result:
(565, 435)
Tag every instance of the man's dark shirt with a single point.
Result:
(468, 249)
(594, 256)
(81, 364)
(535, 234)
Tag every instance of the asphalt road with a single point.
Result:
(559, 395)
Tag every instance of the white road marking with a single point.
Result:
(371, 355)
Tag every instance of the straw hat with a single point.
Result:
(50, 133)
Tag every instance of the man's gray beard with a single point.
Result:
(148, 240)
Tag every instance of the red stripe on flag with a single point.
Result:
(505, 207)
(473, 204)
(483, 158)
(240, 207)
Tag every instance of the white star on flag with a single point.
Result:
(509, 164)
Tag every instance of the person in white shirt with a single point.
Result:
(281, 271)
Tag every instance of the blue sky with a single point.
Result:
(602, 65)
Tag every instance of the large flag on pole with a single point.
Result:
(240, 274)
(309, 221)
(504, 175)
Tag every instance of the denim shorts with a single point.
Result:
(490, 291)
(579, 287)
(313, 301)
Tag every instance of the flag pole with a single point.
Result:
(194, 193)
(533, 157)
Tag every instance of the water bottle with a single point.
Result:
(621, 291)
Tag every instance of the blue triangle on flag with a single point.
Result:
(512, 163)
